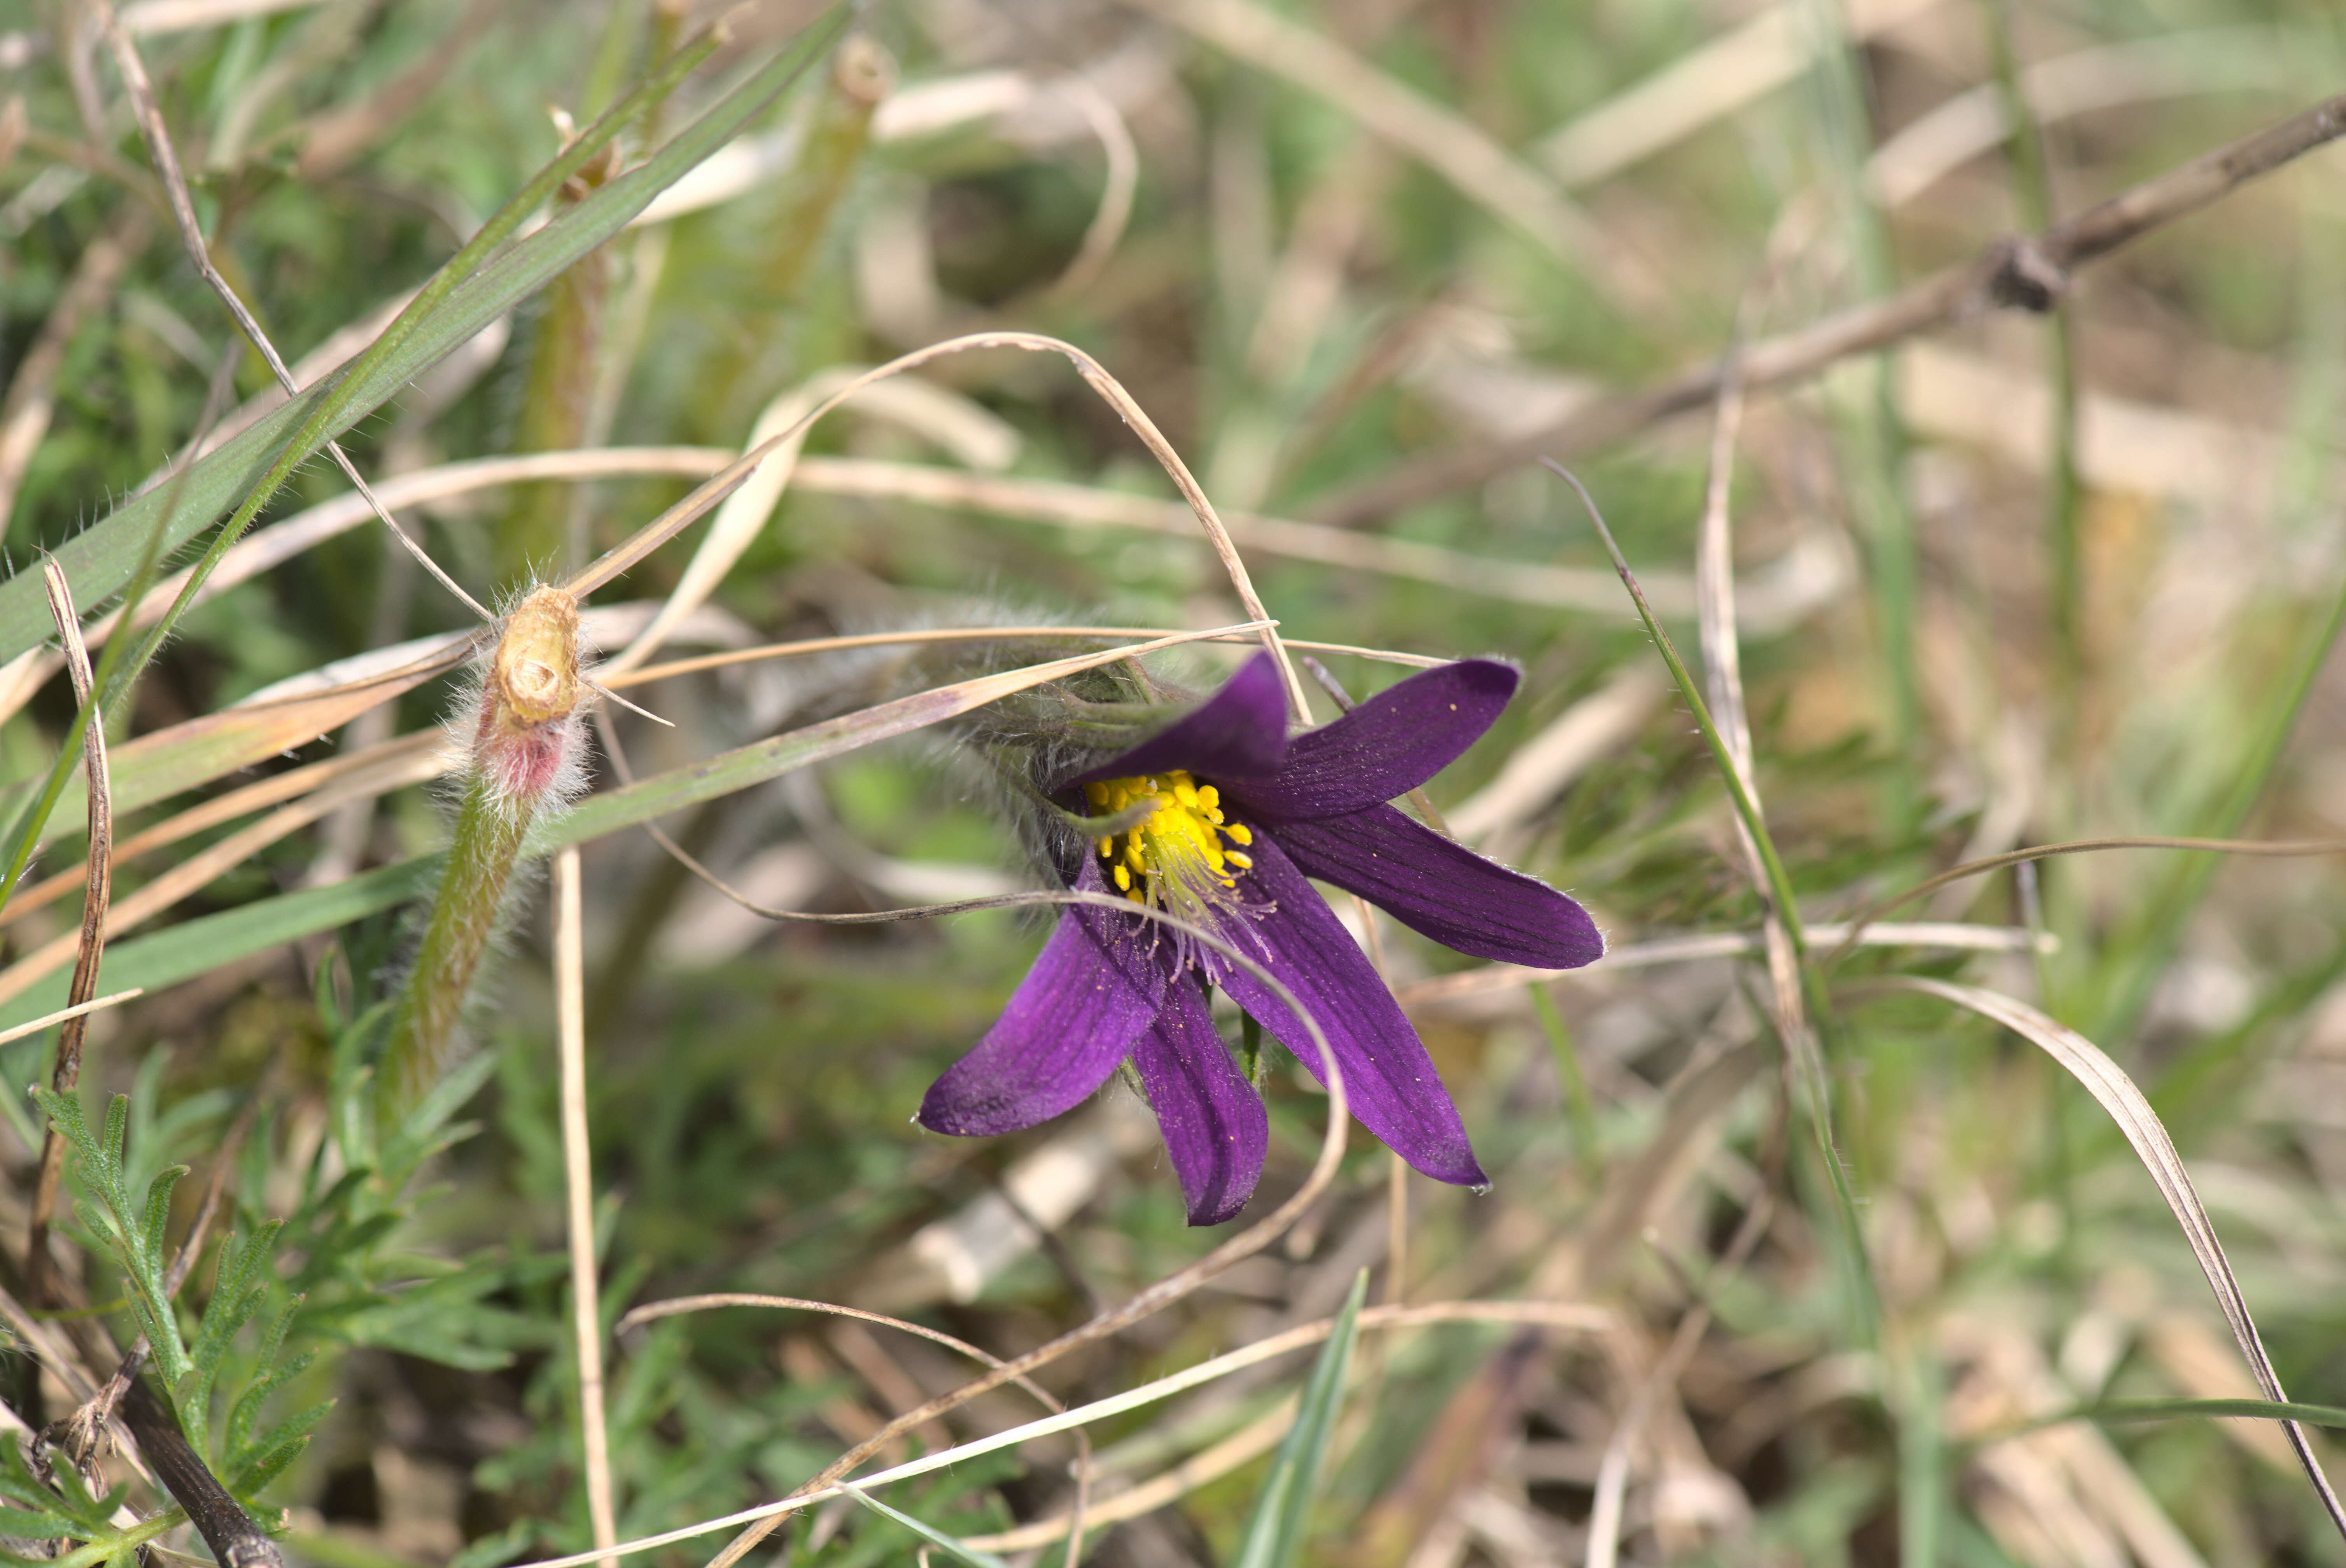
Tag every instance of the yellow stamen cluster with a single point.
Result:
(1176, 857)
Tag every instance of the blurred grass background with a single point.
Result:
(2023, 579)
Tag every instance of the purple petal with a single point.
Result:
(1389, 1080)
(1091, 992)
(1240, 732)
(1386, 747)
(1440, 887)
(1214, 1124)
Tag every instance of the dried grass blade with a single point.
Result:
(2116, 1093)
(753, 764)
(88, 944)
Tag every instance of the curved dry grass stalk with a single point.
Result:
(1571, 1317)
(166, 158)
(87, 945)
(652, 1312)
(2116, 1093)
(1120, 183)
(665, 527)
(781, 429)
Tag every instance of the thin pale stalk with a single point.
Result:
(578, 1181)
(661, 529)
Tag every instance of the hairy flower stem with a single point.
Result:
(464, 912)
(524, 737)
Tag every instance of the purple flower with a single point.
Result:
(1242, 816)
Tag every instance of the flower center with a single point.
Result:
(1185, 857)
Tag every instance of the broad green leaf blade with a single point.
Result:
(1274, 1533)
(928, 1532)
(100, 560)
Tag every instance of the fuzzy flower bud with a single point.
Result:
(526, 738)
(523, 744)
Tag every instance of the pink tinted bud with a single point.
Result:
(525, 740)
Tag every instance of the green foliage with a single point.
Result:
(130, 1229)
(1275, 1530)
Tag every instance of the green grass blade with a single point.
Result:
(1274, 1533)
(464, 297)
(928, 1532)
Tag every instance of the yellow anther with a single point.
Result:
(1176, 857)
(1241, 859)
(1239, 833)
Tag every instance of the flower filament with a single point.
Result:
(1185, 857)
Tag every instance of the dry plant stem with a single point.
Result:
(191, 233)
(1119, 185)
(32, 390)
(677, 518)
(1571, 1316)
(235, 1540)
(2025, 271)
(51, 1020)
(653, 1311)
(1876, 910)
(1154, 1297)
(39, 1267)
(578, 1178)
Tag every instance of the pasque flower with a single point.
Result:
(1239, 815)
